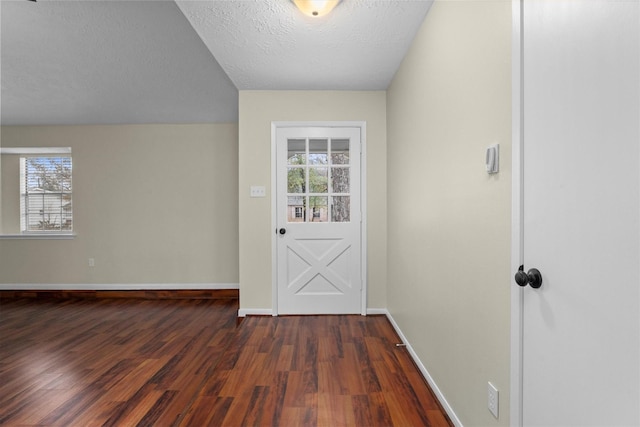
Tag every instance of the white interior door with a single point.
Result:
(581, 328)
(318, 220)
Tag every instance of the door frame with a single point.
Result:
(517, 210)
(362, 125)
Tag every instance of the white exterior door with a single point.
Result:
(318, 221)
(581, 213)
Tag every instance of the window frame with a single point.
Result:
(56, 196)
(56, 234)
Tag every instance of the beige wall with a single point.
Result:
(449, 221)
(152, 204)
(258, 109)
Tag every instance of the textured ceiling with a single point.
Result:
(269, 44)
(127, 61)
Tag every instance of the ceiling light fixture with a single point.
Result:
(316, 8)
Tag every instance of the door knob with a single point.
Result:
(532, 277)
(282, 231)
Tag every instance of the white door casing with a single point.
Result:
(576, 340)
(318, 233)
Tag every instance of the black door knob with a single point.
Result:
(282, 230)
(532, 277)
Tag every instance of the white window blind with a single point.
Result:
(45, 193)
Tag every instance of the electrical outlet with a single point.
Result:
(492, 394)
(92, 262)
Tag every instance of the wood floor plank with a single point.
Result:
(316, 371)
(335, 410)
(111, 361)
(134, 410)
(350, 363)
(185, 362)
(211, 411)
(295, 396)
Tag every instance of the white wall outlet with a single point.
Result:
(492, 394)
(92, 262)
(258, 191)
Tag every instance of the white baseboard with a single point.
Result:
(244, 312)
(454, 418)
(376, 311)
(114, 286)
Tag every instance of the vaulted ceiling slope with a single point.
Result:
(158, 61)
(107, 62)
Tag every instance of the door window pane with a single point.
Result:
(318, 209)
(340, 151)
(296, 180)
(296, 152)
(318, 181)
(318, 152)
(296, 208)
(340, 180)
(341, 209)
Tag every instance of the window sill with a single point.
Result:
(38, 236)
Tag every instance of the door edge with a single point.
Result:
(517, 211)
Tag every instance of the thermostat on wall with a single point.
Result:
(492, 157)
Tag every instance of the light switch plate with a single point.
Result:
(258, 191)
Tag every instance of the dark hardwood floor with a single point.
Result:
(184, 362)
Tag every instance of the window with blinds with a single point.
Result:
(45, 194)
